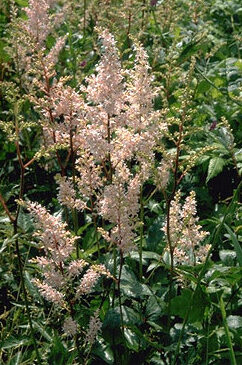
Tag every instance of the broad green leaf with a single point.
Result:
(130, 316)
(154, 308)
(130, 286)
(216, 165)
(180, 304)
(111, 326)
(132, 340)
(103, 350)
(155, 235)
(146, 255)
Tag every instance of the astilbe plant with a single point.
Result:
(185, 233)
(114, 128)
(57, 266)
(107, 142)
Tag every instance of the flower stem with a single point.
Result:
(141, 234)
(119, 291)
(226, 329)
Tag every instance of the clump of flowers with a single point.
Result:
(184, 233)
(70, 327)
(58, 269)
(93, 329)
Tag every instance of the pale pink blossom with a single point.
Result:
(88, 281)
(89, 180)
(66, 195)
(49, 293)
(53, 54)
(105, 88)
(38, 24)
(162, 175)
(70, 327)
(120, 206)
(57, 241)
(53, 278)
(76, 267)
(186, 235)
(93, 329)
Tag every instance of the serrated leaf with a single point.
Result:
(216, 165)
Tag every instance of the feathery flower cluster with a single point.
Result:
(57, 271)
(89, 182)
(38, 24)
(49, 293)
(70, 327)
(162, 175)
(76, 267)
(66, 195)
(186, 235)
(120, 206)
(57, 241)
(105, 88)
(94, 327)
(90, 279)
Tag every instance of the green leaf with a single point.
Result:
(130, 316)
(42, 331)
(103, 350)
(236, 244)
(188, 51)
(155, 236)
(59, 354)
(13, 342)
(111, 326)
(22, 2)
(216, 165)
(132, 340)
(227, 332)
(130, 286)
(154, 308)
(16, 359)
(146, 255)
(83, 228)
(180, 304)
